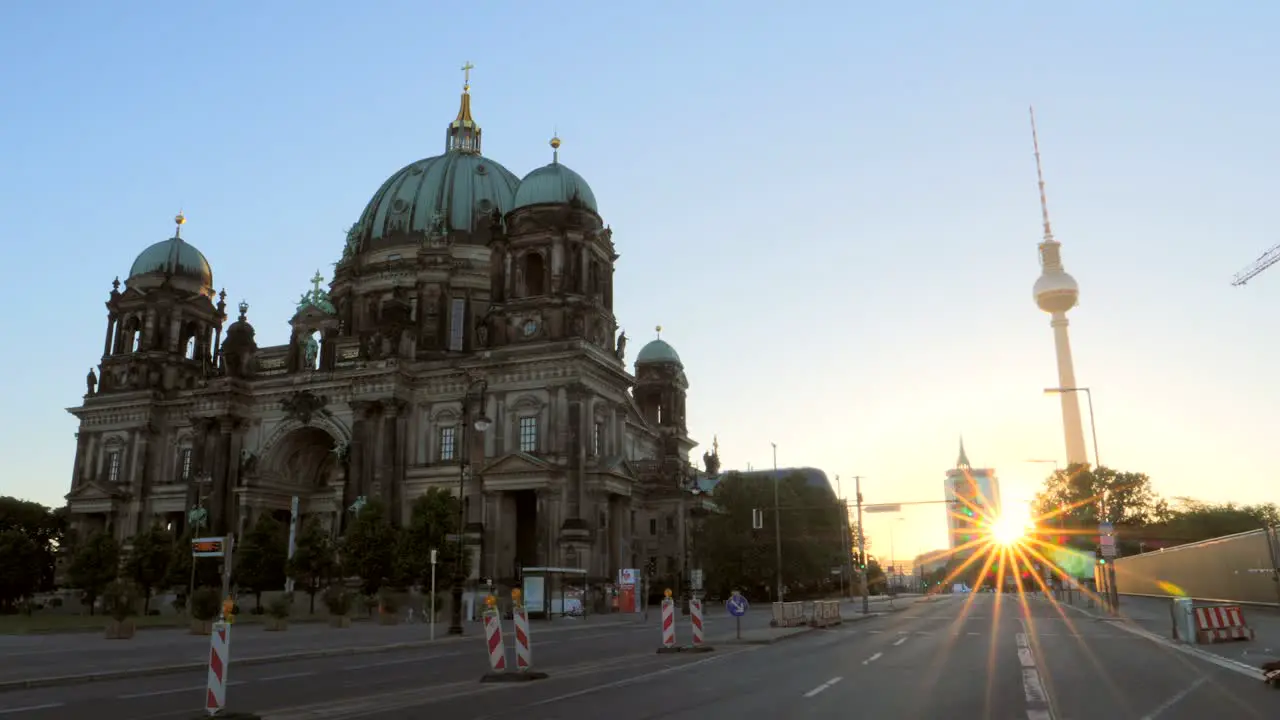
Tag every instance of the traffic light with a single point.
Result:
(1098, 557)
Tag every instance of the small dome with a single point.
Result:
(658, 352)
(174, 258)
(436, 195)
(241, 330)
(554, 184)
(1056, 292)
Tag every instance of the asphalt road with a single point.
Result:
(957, 658)
(562, 644)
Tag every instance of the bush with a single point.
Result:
(120, 600)
(205, 604)
(387, 601)
(280, 607)
(338, 600)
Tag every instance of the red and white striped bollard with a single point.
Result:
(219, 660)
(524, 654)
(695, 619)
(493, 636)
(668, 624)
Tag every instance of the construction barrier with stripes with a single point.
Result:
(1216, 623)
(825, 613)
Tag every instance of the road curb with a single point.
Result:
(801, 631)
(174, 668)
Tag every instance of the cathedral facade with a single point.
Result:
(467, 341)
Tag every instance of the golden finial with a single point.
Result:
(467, 67)
(555, 148)
(659, 331)
(179, 220)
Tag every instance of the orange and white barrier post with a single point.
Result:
(219, 659)
(1221, 622)
(668, 624)
(493, 636)
(524, 655)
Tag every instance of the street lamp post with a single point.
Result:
(1113, 593)
(481, 424)
(195, 520)
(777, 521)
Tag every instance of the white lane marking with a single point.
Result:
(1025, 658)
(899, 641)
(1033, 688)
(286, 676)
(971, 633)
(873, 658)
(174, 691)
(875, 632)
(1175, 699)
(29, 708)
(631, 680)
(822, 687)
(1021, 639)
(1039, 715)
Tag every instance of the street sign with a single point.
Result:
(757, 519)
(434, 556)
(1109, 550)
(882, 508)
(695, 579)
(1106, 528)
(736, 605)
(208, 547)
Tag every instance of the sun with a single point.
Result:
(1008, 530)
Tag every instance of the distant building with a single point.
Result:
(978, 491)
(813, 477)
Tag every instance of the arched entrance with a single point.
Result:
(303, 462)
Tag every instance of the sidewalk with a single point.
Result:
(1152, 614)
(33, 661)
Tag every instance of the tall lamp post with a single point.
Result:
(481, 425)
(1113, 594)
(777, 521)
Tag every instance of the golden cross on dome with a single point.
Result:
(179, 220)
(467, 67)
(316, 280)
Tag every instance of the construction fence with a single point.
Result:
(1240, 568)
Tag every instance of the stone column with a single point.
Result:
(77, 466)
(359, 456)
(395, 448)
(233, 429)
(107, 342)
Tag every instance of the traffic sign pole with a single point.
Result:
(737, 606)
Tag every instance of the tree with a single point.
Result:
(814, 538)
(313, 562)
(1186, 520)
(432, 518)
(148, 562)
(94, 565)
(46, 528)
(1071, 500)
(368, 548)
(260, 558)
(21, 566)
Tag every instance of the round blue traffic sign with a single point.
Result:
(736, 605)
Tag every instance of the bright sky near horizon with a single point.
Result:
(831, 209)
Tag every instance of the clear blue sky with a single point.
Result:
(831, 210)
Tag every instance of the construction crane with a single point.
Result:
(1269, 258)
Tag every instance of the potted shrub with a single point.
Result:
(339, 602)
(278, 612)
(205, 604)
(388, 607)
(120, 601)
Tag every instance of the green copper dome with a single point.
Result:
(173, 257)
(658, 352)
(437, 195)
(554, 183)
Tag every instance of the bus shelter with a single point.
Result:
(555, 592)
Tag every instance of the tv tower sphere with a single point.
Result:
(1056, 292)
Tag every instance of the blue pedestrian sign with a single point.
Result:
(736, 605)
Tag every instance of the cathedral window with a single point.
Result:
(191, 348)
(184, 464)
(448, 443)
(528, 434)
(653, 526)
(535, 274)
(671, 523)
(597, 439)
(113, 466)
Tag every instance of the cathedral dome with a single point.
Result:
(658, 352)
(436, 195)
(172, 259)
(554, 184)
(442, 193)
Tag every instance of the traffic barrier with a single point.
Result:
(825, 613)
(668, 624)
(793, 612)
(219, 660)
(1216, 623)
(493, 640)
(699, 632)
(778, 619)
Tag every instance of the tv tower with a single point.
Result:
(1056, 292)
